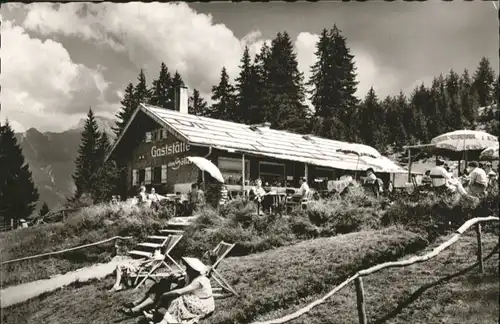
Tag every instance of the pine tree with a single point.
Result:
(176, 83)
(395, 109)
(129, 104)
(141, 91)
(373, 130)
(260, 69)
(247, 91)
(197, 105)
(398, 114)
(224, 96)
(484, 78)
(104, 179)
(161, 88)
(334, 82)
(89, 157)
(420, 99)
(283, 99)
(44, 210)
(468, 100)
(455, 120)
(18, 193)
(496, 93)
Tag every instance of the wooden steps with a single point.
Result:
(174, 227)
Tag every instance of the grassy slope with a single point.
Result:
(267, 280)
(427, 298)
(91, 224)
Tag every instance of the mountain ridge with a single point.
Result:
(51, 157)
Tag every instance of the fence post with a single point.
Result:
(360, 298)
(479, 248)
(115, 247)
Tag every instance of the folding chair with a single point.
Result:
(221, 251)
(168, 243)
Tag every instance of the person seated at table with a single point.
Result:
(304, 188)
(258, 193)
(426, 179)
(478, 180)
(372, 183)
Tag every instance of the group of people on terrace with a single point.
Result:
(477, 179)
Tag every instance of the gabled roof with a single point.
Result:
(263, 141)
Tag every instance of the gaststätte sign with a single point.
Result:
(170, 149)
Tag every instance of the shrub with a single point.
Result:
(438, 214)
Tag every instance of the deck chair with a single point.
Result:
(220, 252)
(155, 263)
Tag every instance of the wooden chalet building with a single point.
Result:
(156, 141)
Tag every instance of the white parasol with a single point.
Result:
(465, 140)
(491, 153)
(207, 166)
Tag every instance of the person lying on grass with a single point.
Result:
(126, 273)
(192, 300)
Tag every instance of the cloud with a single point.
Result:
(146, 34)
(41, 86)
(185, 40)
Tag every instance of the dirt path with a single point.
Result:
(20, 293)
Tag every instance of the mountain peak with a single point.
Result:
(105, 124)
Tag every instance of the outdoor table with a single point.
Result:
(277, 201)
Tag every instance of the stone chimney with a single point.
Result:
(181, 100)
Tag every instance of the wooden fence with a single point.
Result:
(115, 239)
(358, 277)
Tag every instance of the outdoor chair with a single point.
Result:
(219, 253)
(148, 269)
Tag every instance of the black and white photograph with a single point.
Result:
(247, 162)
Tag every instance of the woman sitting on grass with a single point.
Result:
(193, 300)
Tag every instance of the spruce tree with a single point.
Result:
(284, 94)
(197, 105)
(18, 193)
(141, 92)
(161, 88)
(89, 157)
(468, 100)
(455, 120)
(420, 99)
(334, 82)
(129, 104)
(247, 91)
(373, 130)
(44, 210)
(484, 78)
(104, 179)
(260, 72)
(224, 96)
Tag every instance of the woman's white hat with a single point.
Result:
(195, 264)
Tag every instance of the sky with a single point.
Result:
(60, 59)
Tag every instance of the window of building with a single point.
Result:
(272, 173)
(148, 137)
(231, 169)
(142, 176)
(157, 175)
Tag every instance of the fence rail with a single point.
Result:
(114, 238)
(357, 278)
